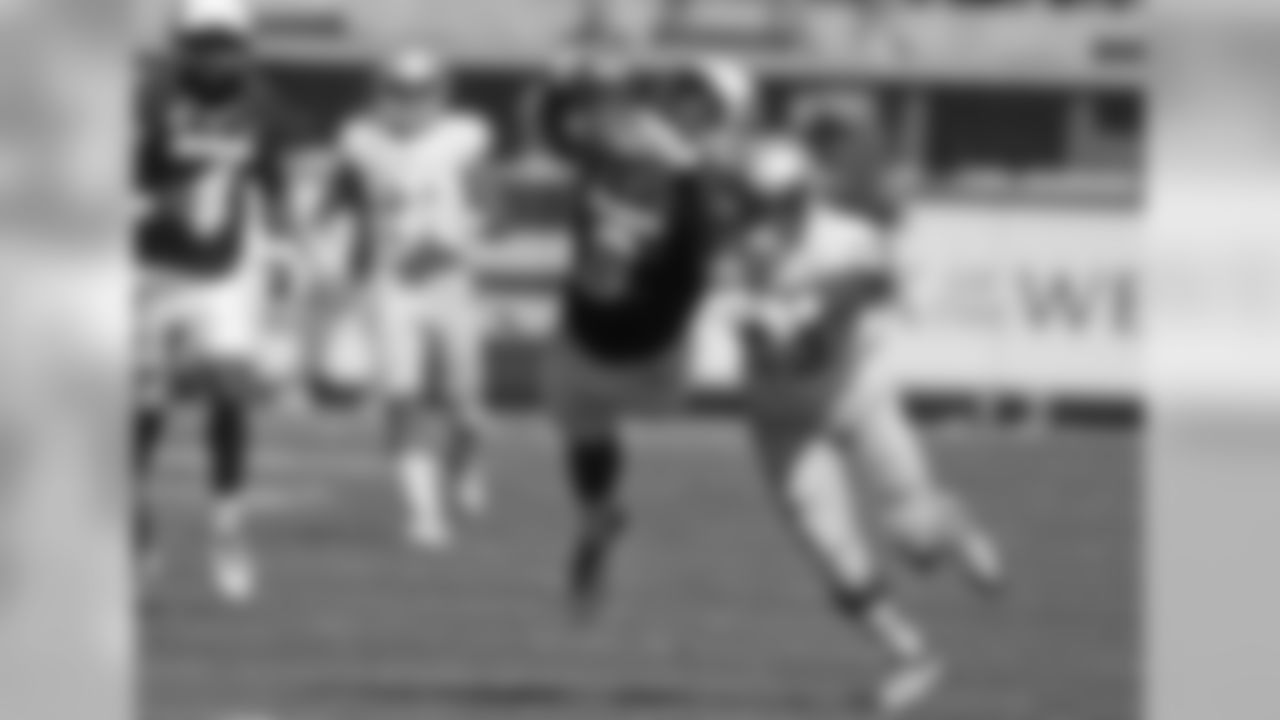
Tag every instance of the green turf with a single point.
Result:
(715, 616)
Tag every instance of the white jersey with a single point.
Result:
(419, 183)
(829, 244)
(832, 242)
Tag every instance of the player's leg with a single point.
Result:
(405, 360)
(229, 440)
(928, 520)
(462, 351)
(148, 433)
(588, 415)
(807, 474)
(229, 337)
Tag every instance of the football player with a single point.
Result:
(208, 168)
(854, 175)
(809, 275)
(651, 205)
(413, 174)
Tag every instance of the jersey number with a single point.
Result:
(619, 236)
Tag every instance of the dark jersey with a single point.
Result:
(646, 222)
(205, 169)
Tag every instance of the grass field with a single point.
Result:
(715, 615)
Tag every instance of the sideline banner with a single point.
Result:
(1028, 302)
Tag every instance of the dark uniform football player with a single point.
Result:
(649, 211)
(209, 169)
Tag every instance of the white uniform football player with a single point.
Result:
(807, 273)
(413, 164)
(929, 521)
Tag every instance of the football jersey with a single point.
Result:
(416, 188)
(833, 242)
(647, 220)
(210, 173)
(794, 305)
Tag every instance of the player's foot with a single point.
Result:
(232, 565)
(429, 530)
(590, 560)
(234, 571)
(907, 687)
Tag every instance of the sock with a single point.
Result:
(228, 438)
(420, 477)
(595, 468)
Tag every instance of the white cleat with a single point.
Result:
(907, 688)
(235, 573)
(430, 532)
